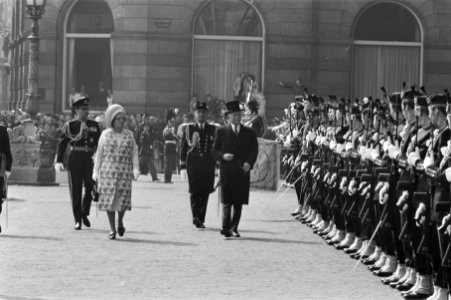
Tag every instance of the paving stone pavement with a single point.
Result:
(162, 256)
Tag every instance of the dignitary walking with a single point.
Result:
(116, 164)
(82, 136)
(236, 148)
(6, 161)
(196, 154)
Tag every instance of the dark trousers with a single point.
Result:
(231, 215)
(199, 204)
(147, 164)
(169, 166)
(76, 180)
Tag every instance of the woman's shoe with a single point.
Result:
(112, 235)
(121, 231)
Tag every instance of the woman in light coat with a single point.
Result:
(116, 164)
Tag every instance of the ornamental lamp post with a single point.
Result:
(35, 9)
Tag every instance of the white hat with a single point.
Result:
(111, 113)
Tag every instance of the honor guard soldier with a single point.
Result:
(81, 135)
(196, 155)
(170, 146)
(6, 161)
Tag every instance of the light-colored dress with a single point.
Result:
(116, 157)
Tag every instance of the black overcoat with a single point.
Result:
(199, 160)
(235, 182)
(5, 151)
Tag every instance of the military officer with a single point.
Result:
(236, 148)
(196, 155)
(6, 161)
(82, 136)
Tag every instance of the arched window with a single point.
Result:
(88, 53)
(228, 41)
(387, 49)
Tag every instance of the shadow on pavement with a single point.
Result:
(273, 221)
(30, 237)
(15, 200)
(156, 242)
(241, 230)
(270, 240)
(5, 297)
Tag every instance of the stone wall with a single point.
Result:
(311, 39)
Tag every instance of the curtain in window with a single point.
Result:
(71, 83)
(218, 63)
(389, 66)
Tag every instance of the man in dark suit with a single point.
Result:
(6, 161)
(196, 154)
(82, 136)
(236, 148)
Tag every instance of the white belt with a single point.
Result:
(170, 142)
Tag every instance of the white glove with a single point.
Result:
(378, 187)
(343, 185)
(374, 154)
(304, 165)
(135, 174)
(332, 179)
(340, 148)
(317, 140)
(332, 145)
(59, 167)
(316, 175)
(352, 187)
(349, 146)
(402, 200)
(297, 161)
(413, 158)
(7, 174)
(362, 150)
(448, 174)
(326, 177)
(419, 214)
(386, 145)
(312, 136)
(444, 150)
(393, 152)
(428, 161)
(383, 194)
(95, 176)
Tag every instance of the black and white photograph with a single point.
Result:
(225, 149)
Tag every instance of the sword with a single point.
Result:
(288, 188)
(381, 221)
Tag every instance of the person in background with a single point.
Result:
(115, 165)
(170, 146)
(6, 162)
(255, 121)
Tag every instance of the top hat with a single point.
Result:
(408, 97)
(80, 101)
(233, 106)
(200, 106)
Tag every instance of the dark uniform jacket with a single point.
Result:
(440, 197)
(235, 183)
(198, 158)
(82, 143)
(5, 149)
(6, 159)
(170, 141)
